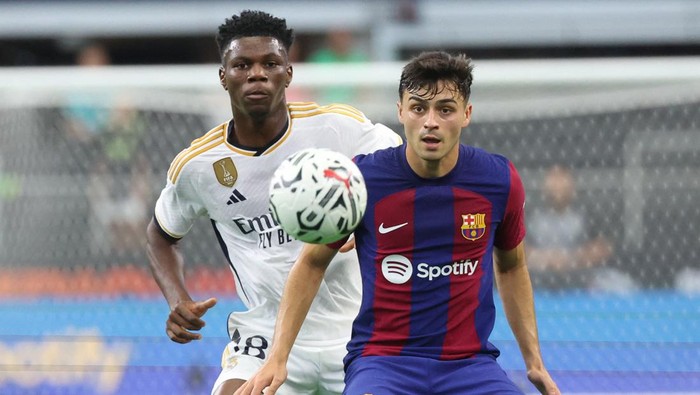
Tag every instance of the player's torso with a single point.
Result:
(237, 191)
(234, 183)
(426, 259)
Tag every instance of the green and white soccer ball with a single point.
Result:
(318, 195)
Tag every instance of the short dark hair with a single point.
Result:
(427, 69)
(254, 24)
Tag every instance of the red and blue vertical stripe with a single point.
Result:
(443, 310)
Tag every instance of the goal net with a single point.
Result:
(608, 150)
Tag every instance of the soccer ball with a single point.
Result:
(318, 196)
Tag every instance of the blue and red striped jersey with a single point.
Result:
(425, 249)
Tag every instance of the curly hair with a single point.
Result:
(253, 24)
(427, 69)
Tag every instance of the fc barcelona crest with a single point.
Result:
(226, 172)
(473, 226)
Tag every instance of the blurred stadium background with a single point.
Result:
(608, 89)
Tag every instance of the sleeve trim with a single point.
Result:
(170, 236)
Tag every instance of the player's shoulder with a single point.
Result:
(488, 167)
(199, 147)
(336, 112)
(342, 123)
(382, 158)
(481, 157)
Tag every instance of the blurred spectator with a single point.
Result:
(93, 55)
(339, 47)
(10, 191)
(109, 131)
(86, 113)
(406, 11)
(120, 184)
(119, 207)
(562, 253)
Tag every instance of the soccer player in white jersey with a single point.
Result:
(225, 175)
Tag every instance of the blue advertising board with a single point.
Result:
(639, 343)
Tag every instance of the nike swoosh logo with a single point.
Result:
(384, 230)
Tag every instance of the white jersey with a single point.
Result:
(230, 185)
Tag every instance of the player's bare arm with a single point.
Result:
(515, 289)
(348, 246)
(299, 291)
(167, 268)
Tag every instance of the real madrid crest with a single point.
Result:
(473, 226)
(226, 172)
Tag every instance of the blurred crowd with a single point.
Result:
(567, 247)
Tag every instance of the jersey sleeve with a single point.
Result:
(511, 231)
(376, 136)
(360, 135)
(178, 205)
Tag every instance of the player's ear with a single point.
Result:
(222, 77)
(467, 115)
(399, 111)
(290, 74)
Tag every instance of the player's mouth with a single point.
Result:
(256, 95)
(431, 142)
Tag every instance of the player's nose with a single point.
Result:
(430, 120)
(257, 72)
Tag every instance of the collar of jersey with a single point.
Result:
(465, 151)
(254, 151)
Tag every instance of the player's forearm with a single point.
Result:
(300, 290)
(516, 294)
(167, 267)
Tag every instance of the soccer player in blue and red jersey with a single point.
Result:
(438, 214)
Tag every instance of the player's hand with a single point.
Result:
(543, 382)
(185, 318)
(266, 380)
(349, 245)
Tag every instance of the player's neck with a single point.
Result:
(437, 168)
(251, 131)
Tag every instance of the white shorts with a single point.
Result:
(311, 369)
